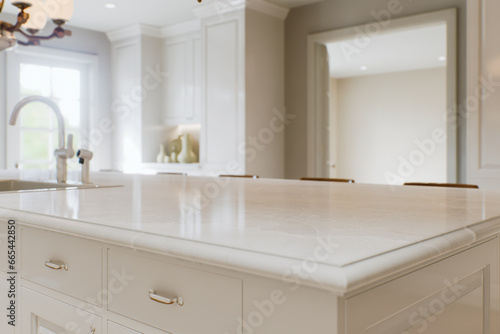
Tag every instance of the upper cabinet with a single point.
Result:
(221, 81)
(182, 89)
(137, 96)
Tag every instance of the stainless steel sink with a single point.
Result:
(24, 185)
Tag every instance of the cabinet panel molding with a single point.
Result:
(222, 89)
(40, 311)
(457, 295)
(480, 109)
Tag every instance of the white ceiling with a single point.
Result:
(91, 14)
(413, 49)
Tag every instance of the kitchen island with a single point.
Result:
(177, 254)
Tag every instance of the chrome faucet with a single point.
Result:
(62, 153)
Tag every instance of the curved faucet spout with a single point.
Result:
(51, 104)
(62, 153)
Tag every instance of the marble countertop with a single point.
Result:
(350, 233)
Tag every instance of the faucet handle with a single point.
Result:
(70, 152)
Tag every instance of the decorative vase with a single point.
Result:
(187, 156)
(175, 145)
(161, 156)
(173, 157)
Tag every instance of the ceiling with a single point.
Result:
(412, 49)
(91, 14)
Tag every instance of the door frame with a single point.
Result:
(447, 16)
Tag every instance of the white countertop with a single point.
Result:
(265, 226)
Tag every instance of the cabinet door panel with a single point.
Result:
(41, 314)
(222, 92)
(176, 82)
(456, 295)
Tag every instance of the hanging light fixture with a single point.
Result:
(32, 18)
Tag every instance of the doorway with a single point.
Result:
(378, 98)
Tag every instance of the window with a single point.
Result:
(63, 77)
(39, 128)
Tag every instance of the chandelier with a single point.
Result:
(32, 18)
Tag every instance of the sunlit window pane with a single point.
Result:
(36, 115)
(71, 112)
(66, 83)
(34, 145)
(55, 139)
(35, 166)
(39, 126)
(35, 80)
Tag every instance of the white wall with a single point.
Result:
(375, 143)
(85, 41)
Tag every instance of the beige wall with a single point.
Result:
(265, 95)
(336, 14)
(385, 127)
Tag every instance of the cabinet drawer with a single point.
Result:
(114, 328)
(138, 328)
(212, 304)
(67, 264)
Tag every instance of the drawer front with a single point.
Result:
(114, 328)
(64, 263)
(211, 304)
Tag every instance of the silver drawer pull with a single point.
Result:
(164, 300)
(55, 266)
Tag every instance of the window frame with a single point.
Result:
(46, 56)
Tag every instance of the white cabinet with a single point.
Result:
(480, 109)
(456, 295)
(243, 129)
(224, 73)
(138, 79)
(44, 315)
(182, 87)
(224, 130)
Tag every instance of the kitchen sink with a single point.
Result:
(24, 185)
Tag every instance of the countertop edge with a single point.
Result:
(340, 281)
